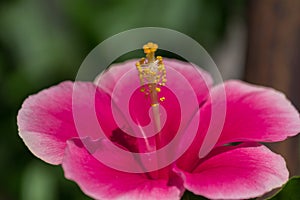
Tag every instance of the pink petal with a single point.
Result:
(253, 113)
(199, 79)
(46, 121)
(257, 114)
(238, 173)
(101, 182)
(109, 78)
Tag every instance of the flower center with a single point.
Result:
(152, 73)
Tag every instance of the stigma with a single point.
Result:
(152, 73)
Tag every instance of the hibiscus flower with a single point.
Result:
(84, 126)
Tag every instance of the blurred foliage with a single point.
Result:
(43, 42)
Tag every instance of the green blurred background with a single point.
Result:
(43, 42)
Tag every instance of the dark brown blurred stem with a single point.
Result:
(273, 57)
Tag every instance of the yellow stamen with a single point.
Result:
(162, 98)
(152, 72)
